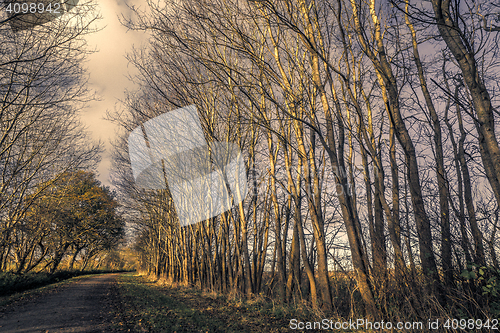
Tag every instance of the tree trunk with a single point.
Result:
(446, 261)
(464, 54)
(383, 67)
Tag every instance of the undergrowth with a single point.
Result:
(153, 305)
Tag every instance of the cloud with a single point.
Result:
(108, 70)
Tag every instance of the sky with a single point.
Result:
(108, 69)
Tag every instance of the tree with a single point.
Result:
(81, 215)
(42, 89)
(309, 89)
(462, 44)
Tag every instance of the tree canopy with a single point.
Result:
(76, 215)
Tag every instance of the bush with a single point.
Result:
(487, 280)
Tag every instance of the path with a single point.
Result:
(84, 306)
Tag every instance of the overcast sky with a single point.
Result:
(108, 70)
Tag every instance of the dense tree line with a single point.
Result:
(370, 142)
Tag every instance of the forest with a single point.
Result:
(367, 131)
(368, 134)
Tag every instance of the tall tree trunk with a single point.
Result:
(469, 203)
(465, 56)
(383, 67)
(297, 200)
(460, 212)
(273, 151)
(446, 261)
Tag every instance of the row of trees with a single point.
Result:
(369, 129)
(43, 144)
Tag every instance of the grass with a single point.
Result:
(150, 306)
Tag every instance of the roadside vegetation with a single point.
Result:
(72, 229)
(57, 220)
(151, 305)
(112, 261)
(47, 158)
(369, 131)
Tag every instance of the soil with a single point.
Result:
(88, 305)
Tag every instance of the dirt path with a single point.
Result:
(84, 306)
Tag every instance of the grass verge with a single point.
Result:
(149, 306)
